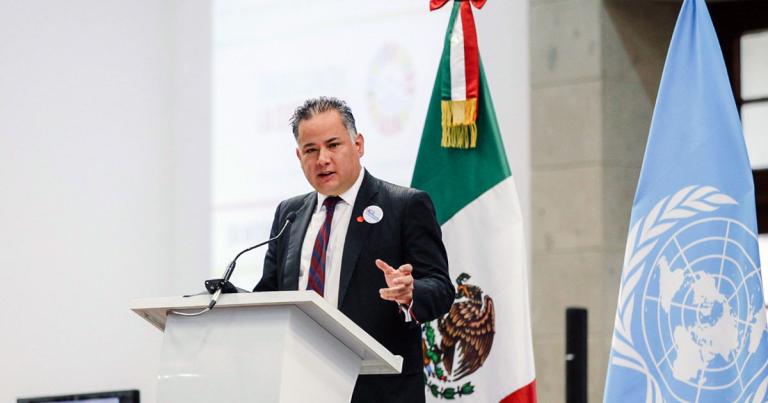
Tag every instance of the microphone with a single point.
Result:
(218, 286)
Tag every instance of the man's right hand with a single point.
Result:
(399, 282)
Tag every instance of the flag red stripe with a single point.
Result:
(471, 59)
(526, 394)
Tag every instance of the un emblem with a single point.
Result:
(692, 284)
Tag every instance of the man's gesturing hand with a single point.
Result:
(399, 283)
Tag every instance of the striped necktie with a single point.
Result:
(317, 262)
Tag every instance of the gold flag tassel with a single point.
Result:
(459, 123)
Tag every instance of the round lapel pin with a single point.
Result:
(373, 214)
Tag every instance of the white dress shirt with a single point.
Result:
(341, 216)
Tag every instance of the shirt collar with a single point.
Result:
(347, 197)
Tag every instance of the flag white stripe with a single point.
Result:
(458, 79)
(486, 240)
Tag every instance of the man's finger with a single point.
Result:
(388, 297)
(393, 292)
(406, 269)
(397, 298)
(387, 269)
(404, 280)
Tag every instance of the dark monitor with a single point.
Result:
(120, 396)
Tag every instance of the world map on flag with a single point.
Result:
(701, 314)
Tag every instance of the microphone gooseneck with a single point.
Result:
(231, 268)
(219, 285)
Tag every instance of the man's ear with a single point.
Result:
(298, 154)
(360, 144)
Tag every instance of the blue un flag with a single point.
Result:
(690, 321)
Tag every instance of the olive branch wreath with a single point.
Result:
(643, 238)
(433, 354)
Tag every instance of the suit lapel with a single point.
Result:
(357, 233)
(293, 254)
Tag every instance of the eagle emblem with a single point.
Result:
(465, 339)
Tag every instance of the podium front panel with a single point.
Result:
(271, 354)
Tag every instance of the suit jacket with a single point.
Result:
(407, 233)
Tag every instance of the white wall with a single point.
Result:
(91, 211)
(191, 151)
(105, 177)
(502, 35)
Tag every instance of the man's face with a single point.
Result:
(329, 157)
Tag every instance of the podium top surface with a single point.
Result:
(376, 358)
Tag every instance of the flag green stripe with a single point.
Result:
(454, 177)
(445, 60)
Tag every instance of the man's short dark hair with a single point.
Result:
(316, 106)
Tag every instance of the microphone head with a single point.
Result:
(291, 216)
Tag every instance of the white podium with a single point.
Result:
(288, 346)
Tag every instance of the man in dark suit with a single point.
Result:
(371, 248)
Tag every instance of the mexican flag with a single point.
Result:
(482, 349)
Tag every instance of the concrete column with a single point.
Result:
(595, 69)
